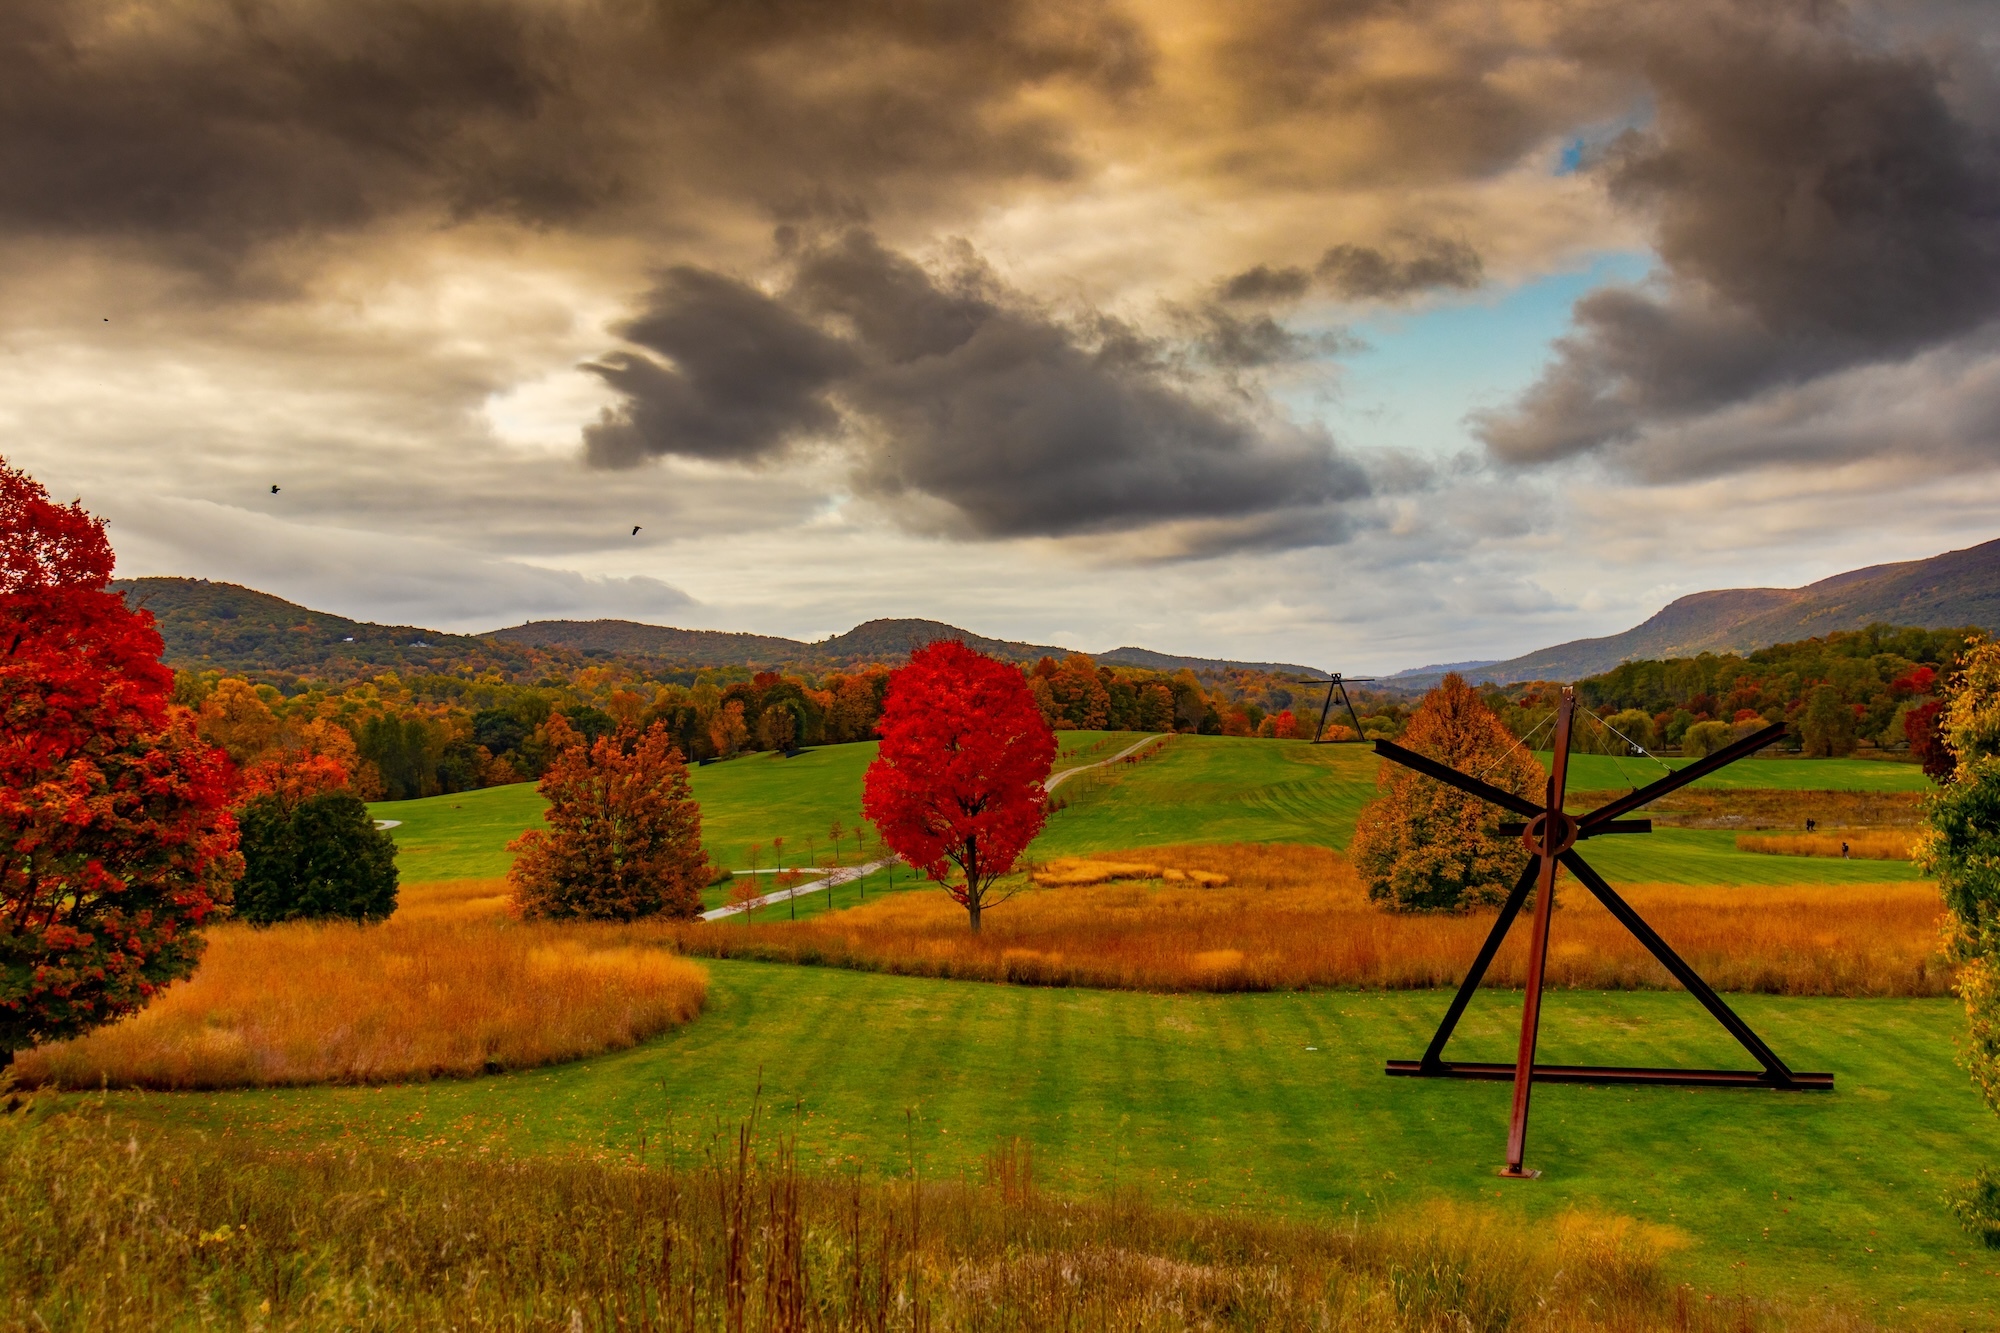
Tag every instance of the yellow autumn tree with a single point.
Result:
(1426, 847)
(1961, 847)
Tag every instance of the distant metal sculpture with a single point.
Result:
(1551, 836)
(1339, 682)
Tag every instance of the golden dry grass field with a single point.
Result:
(448, 986)
(1859, 845)
(1287, 916)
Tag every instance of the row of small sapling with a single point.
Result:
(1091, 784)
(745, 888)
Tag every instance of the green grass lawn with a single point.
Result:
(1598, 772)
(761, 796)
(1709, 856)
(1221, 789)
(461, 836)
(1278, 1103)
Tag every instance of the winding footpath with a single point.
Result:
(1055, 780)
(827, 879)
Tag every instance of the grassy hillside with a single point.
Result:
(1274, 1102)
(1221, 789)
(1201, 789)
(225, 627)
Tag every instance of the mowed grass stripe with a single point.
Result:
(1214, 1100)
(1599, 772)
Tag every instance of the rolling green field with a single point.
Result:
(1276, 1102)
(1200, 789)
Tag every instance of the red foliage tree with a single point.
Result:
(958, 781)
(1924, 727)
(113, 810)
(624, 835)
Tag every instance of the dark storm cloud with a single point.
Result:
(1818, 206)
(1413, 263)
(1264, 283)
(746, 376)
(957, 392)
(1361, 272)
(217, 123)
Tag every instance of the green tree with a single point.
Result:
(1426, 847)
(1634, 725)
(1961, 847)
(314, 859)
(1705, 738)
(406, 751)
(1827, 730)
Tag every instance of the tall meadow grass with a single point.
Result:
(1860, 845)
(446, 987)
(1285, 916)
(106, 1226)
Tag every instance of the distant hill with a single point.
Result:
(225, 627)
(1152, 661)
(1425, 677)
(629, 638)
(885, 640)
(1956, 588)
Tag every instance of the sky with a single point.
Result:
(1361, 334)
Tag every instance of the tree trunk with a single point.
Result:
(972, 910)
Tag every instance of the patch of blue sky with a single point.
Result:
(1417, 375)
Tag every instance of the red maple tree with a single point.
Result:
(1924, 728)
(958, 780)
(112, 809)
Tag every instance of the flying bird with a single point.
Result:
(274, 490)
(635, 529)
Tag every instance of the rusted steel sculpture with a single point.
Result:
(1338, 682)
(1551, 835)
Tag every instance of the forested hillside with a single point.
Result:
(1835, 693)
(225, 627)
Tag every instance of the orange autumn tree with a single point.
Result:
(1426, 847)
(957, 784)
(624, 832)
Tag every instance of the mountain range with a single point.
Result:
(871, 641)
(1942, 592)
(226, 627)
(232, 628)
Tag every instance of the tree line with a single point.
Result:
(1877, 689)
(430, 734)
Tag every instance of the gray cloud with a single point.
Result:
(212, 125)
(747, 376)
(1264, 283)
(1421, 263)
(1413, 263)
(965, 404)
(1818, 206)
(416, 581)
